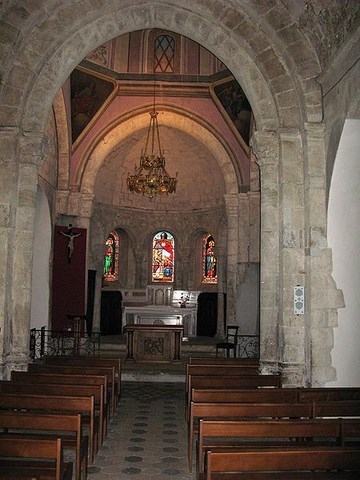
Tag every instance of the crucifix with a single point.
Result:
(70, 246)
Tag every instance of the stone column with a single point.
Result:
(322, 297)
(293, 329)
(266, 149)
(232, 211)
(221, 257)
(19, 176)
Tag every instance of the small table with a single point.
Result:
(154, 343)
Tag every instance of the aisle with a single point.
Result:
(147, 437)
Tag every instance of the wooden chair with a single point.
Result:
(230, 342)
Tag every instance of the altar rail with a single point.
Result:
(248, 346)
(52, 342)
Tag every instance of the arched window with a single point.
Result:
(163, 258)
(164, 52)
(209, 260)
(111, 258)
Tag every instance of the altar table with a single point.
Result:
(153, 343)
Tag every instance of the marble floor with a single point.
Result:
(147, 438)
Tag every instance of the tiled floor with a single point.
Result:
(147, 438)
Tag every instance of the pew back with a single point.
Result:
(26, 423)
(303, 462)
(14, 451)
(56, 404)
(97, 391)
(109, 372)
(93, 361)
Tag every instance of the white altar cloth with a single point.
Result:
(159, 314)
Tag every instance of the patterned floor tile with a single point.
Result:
(147, 438)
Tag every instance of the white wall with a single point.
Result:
(40, 272)
(344, 239)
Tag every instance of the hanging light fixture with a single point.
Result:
(150, 178)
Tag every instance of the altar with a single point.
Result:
(153, 343)
(165, 307)
(163, 315)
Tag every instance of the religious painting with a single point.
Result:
(209, 262)
(237, 107)
(88, 95)
(111, 258)
(163, 258)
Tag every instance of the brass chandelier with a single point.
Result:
(150, 178)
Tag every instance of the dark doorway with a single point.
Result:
(90, 301)
(110, 314)
(207, 314)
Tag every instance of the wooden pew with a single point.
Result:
(224, 361)
(241, 410)
(252, 395)
(266, 410)
(292, 433)
(64, 378)
(314, 463)
(95, 361)
(258, 395)
(228, 370)
(19, 458)
(328, 394)
(56, 404)
(236, 381)
(48, 426)
(80, 370)
(29, 387)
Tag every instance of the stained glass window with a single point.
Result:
(163, 258)
(164, 49)
(209, 262)
(111, 258)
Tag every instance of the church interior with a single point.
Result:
(232, 138)
(169, 170)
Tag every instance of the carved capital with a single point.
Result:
(265, 146)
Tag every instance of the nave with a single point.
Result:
(147, 437)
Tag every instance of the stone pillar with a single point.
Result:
(293, 329)
(221, 257)
(19, 176)
(266, 149)
(140, 271)
(322, 297)
(232, 211)
(244, 239)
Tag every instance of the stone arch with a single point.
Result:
(63, 136)
(229, 38)
(117, 132)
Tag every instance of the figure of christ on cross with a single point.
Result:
(70, 246)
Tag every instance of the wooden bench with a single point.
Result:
(328, 394)
(20, 458)
(281, 432)
(266, 410)
(315, 463)
(273, 395)
(48, 426)
(228, 370)
(253, 395)
(224, 361)
(241, 410)
(95, 361)
(81, 390)
(236, 381)
(64, 378)
(56, 404)
(81, 370)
